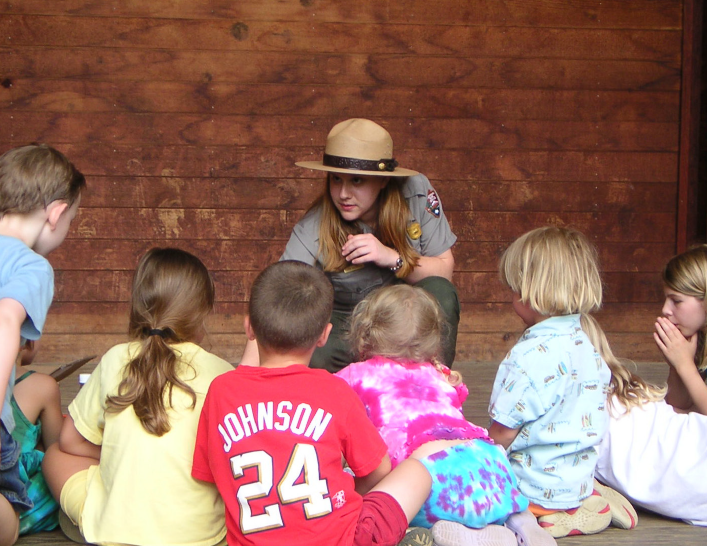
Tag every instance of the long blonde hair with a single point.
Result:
(172, 295)
(686, 273)
(393, 218)
(555, 271)
(403, 323)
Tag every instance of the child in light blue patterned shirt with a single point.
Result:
(549, 401)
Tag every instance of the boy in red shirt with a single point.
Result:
(272, 437)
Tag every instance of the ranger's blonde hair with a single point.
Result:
(403, 323)
(393, 218)
(686, 273)
(555, 271)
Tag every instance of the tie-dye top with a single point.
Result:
(410, 403)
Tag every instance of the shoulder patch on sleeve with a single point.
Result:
(432, 205)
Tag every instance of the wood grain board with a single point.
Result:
(187, 118)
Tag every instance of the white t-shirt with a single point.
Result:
(658, 459)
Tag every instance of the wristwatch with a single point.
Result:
(398, 265)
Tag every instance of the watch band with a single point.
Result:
(398, 265)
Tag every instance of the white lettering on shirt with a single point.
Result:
(245, 422)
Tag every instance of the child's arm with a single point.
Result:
(686, 389)
(71, 441)
(12, 315)
(39, 399)
(677, 395)
(51, 417)
(365, 483)
(502, 435)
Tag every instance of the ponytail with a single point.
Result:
(452, 377)
(172, 296)
(146, 379)
(630, 389)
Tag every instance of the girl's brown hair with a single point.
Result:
(686, 273)
(555, 271)
(403, 323)
(393, 218)
(172, 295)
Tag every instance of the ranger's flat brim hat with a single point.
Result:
(358, 146)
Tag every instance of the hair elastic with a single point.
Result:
(158, 332)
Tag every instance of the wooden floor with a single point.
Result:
(652, 530)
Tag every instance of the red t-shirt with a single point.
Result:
(272, 441)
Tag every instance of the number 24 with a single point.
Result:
(303, 460)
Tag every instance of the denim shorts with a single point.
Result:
(11, 486)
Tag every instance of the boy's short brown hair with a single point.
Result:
(33, 176)
(290, 305)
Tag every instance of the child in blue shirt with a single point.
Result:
(40, 190)
(549, 401)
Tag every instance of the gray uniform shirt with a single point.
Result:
(353, 284)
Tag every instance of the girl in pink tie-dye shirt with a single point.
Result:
(416, 404)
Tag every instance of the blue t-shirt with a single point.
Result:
(553, 386)
(27, 278)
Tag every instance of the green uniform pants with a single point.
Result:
(336, 354)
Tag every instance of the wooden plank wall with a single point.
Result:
(187, 117)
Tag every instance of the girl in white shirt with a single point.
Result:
(654, 452)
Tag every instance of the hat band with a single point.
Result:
(382, 165)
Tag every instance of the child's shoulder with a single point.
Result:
(120, 354)
(318, 383)
(194, 352)
(552, 331)
(12, 244)
(532, 354)
(16, 256)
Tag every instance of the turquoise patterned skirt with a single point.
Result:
(472, 484)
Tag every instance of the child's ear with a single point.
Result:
(248, 328)
(325, 335)
(54, 211)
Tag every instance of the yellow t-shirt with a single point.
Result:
(143, 492)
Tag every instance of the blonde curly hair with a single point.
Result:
(403, 323)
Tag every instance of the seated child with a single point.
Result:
(272, 437)
(680, 332)
(416, 404)
(549, 401)
(40, 190)
(121, 468)
(36, 407)
(654, 453)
